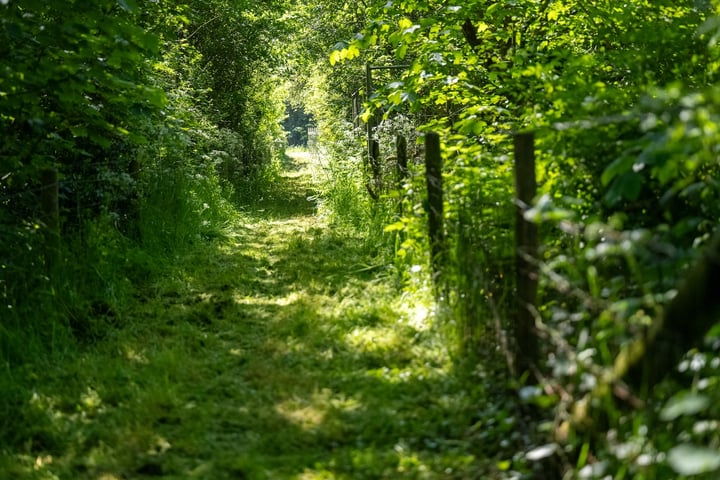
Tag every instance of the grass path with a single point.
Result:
(275, 352)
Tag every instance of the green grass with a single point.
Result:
(281, 349)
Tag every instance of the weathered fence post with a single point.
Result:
(50, 214)
(356, 108)
(402, 168)
(433, 177)
(526, 251)
(374, 186)
(372, 145)
(401, 153)
(375, 162)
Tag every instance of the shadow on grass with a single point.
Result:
(275, 353)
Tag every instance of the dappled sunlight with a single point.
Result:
(373, 339)
(273, 352)
(418, 316)
(307, 417)
(135, 356)
(311, 413)
(415, 373)
(305, 164)
(494, 257)
(300, 224)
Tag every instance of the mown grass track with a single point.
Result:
(280, 350)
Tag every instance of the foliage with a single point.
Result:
(160, 119)
(623, 103)
(76, 97)
(118, 98)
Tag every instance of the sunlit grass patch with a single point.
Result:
(371, 339)
(313, 412)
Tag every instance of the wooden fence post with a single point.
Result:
(356, 108)
(375, 162)
(372, 145)
(401, 152)
(374, 186)
(50, 214)
(402, 168)
(433, 177)
(526, 252)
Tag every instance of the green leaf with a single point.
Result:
(155, 97)
(409, 97)
(128, 5)
(79, 131)
(405, 23)
(688, 459)
(619, 166)
(684, 403)
(625, 187)
(351, 52)
(395, 227)
(402, 51)
(666, 171)
(335, 57)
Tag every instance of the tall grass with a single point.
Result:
(340, 176)
(54, 310)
